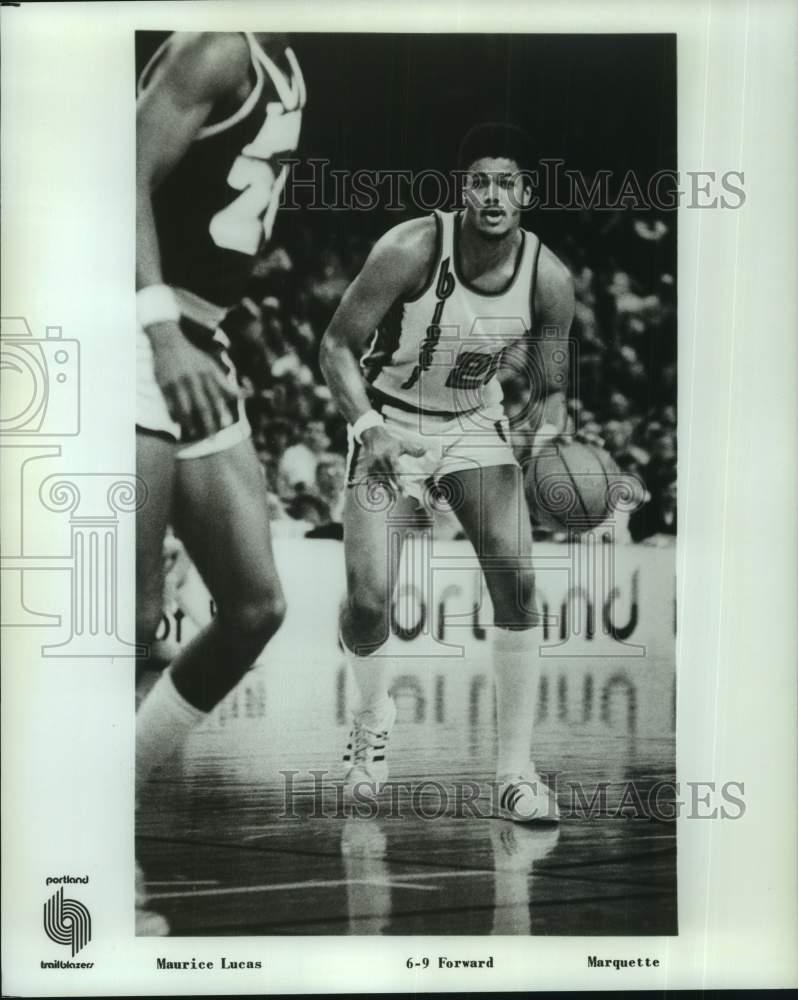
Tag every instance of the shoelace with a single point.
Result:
(363, 740)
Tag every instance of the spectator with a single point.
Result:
(298, 464)
(655, 522)
(313, 514)
(617, 435)
(331, 482)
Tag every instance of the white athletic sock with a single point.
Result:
(163, 722)
(515, 663)
(370, 677)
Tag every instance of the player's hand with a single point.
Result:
(197, 393)
(382, 450)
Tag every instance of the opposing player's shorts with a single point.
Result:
(152, 415)
(476, 440)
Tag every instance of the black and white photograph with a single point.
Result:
(397, 434)
(406, 419)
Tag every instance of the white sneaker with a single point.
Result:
(148, 923)
(365, 754)
(526, 798)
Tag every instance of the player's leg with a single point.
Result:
(221, 515)
(155, 466)
(373, 540)
(373, 537)
(161, 719)
(494, 516)
(156, 451)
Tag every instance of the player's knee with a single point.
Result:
(501, 541)
(257, 618)
(513, 597)
(526, 591)
(262, 618)
(369, 618)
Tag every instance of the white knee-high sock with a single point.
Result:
(370, 676)
(163, 722)
(515, 667)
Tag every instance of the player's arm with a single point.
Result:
(545, 357)
(397, 266)
(554, 309)
(198, 70)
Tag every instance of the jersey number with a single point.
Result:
(249, 218)
(473, 369)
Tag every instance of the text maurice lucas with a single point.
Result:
(193, 963)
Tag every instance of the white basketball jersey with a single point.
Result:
(439, 351)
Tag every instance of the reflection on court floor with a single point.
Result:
(245, 832)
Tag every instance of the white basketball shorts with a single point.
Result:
(476, 440)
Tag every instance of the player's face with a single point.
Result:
(495, 193)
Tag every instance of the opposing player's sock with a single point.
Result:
(163, 722)
(515, 659)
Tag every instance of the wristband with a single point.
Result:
(365, 421)
(157, 304)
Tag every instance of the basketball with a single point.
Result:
(574, 486)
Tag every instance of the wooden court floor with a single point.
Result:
(245, 832)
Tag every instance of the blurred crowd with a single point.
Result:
(622, 396)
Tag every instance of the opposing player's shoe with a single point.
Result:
(526, 798)
(148, 923)
(364, 759)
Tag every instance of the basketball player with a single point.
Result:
(411, 357)
(216, 115)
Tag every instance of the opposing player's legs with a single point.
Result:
(372, 546)
(494, 515)
(220, 514)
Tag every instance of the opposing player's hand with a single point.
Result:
(197, 393)
(382, 450)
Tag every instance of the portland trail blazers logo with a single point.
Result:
(66, 921)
